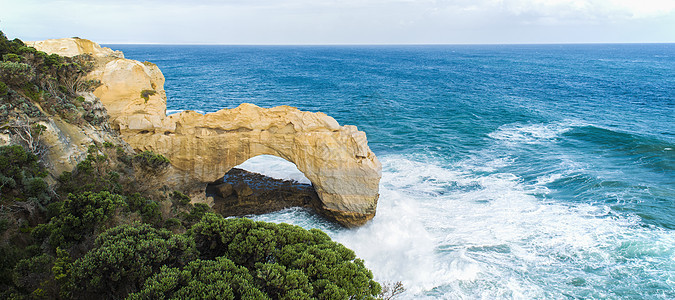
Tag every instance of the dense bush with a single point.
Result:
(151, 161)
(31, 77)
(98, 172)
(124, 256)
(33, 275)
(220, 259)
(148, 209)
(78, 217)
(3, 89)
(21, 177)
(286, 260)
(201, 279)
(16, 73)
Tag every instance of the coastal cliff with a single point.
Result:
(201, 148)
(83, 215)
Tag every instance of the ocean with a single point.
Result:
(509, 171)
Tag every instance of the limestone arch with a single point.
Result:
(336, 159)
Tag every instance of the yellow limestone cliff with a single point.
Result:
(337, 160)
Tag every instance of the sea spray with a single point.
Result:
(450, 233)
(510, 171)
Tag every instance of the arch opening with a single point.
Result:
(262, 184)
(275, 167)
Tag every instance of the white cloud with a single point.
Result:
(342, 21)
(593, 9)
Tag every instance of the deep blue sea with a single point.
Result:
(509, 171)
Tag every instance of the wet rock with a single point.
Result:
(255, 193)
(243, 190)
(224, 189)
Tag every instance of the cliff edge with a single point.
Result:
(337, 160)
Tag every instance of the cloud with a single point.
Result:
(340, 21)
(589, 9)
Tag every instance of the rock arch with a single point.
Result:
(336, 159)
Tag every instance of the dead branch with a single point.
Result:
(391, 290)
(29, 136)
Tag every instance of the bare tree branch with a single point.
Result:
(391, 290)
(29, 136)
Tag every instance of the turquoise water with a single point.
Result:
(519, 171)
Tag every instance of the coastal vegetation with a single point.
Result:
(110, 229)
(37, 85)
(145, 94)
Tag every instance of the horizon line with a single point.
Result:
(379, 44)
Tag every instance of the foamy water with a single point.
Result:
(509, 171)
(467, 230)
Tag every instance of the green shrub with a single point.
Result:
(3, 89)
(36, 190)
(49, 79)
(280, 253)
(33, 275)
(148, 209)
(179, 198)
(151, 161)
(220, 259)
(145, 94)
(16, 73)
(125, 256)
(21, 177)
(7, 46)
(12, 57)
(196, 213)
(9, 255)
(202, 279)
(4, 224)
(62, 271)
(26, 50)
(172, 223)
(79, 217)
(94, 174)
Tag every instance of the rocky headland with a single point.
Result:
(202, 148)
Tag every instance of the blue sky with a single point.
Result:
(342, 22)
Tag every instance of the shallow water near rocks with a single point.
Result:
(519, 171)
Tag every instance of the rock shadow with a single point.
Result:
(241, 193)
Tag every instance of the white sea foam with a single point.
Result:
(458, 232)
(488, 237)
(530, 133)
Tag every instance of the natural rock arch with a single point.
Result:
(336, 159)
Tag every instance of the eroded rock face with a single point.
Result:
(131, 91)
(202, 148)
(74, 46)
(336, 159)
